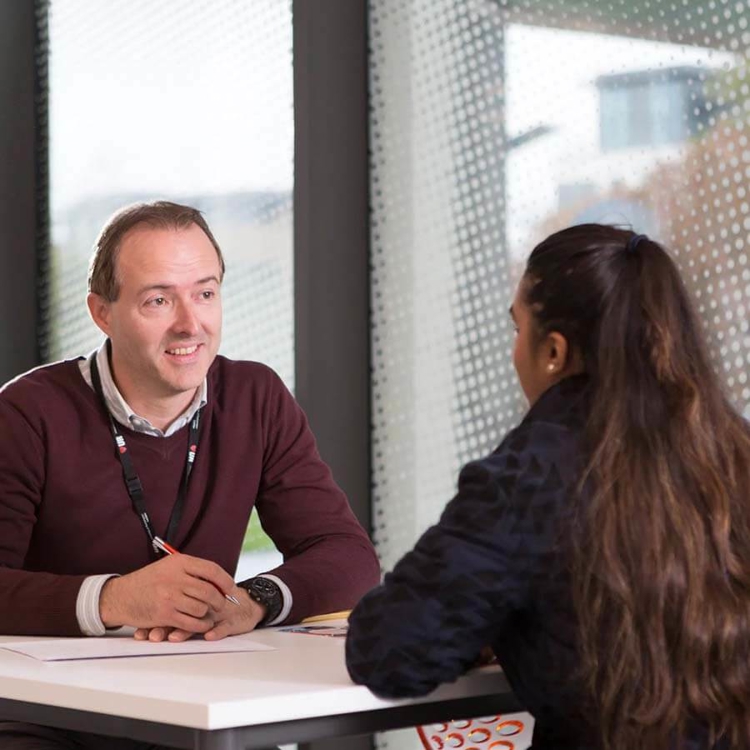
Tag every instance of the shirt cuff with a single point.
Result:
(87, 605)
(286, 600)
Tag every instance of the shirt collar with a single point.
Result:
(119, 408)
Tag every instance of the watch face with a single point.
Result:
(265, 588)
(268, 594)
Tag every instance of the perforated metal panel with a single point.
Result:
(494, 124)
(190, 101)
(442, 381)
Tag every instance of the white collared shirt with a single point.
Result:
(119, 408)
(87, 603)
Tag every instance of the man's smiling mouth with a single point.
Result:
(183, 351)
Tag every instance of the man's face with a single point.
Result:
(165, 325)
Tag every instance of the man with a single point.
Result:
(155, 435)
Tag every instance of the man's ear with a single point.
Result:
(99, 310)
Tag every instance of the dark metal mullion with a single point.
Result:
(331, 248)
(41, 171)
(22, 83)
(331, 237)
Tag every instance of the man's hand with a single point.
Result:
(176, 592)
(228, 620)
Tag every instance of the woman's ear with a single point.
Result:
(560, 359)
(556, 353)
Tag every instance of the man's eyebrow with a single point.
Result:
(200, 282)
(166, 287)
(155, 287)
(512, 314)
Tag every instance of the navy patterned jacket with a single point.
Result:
(494, 570)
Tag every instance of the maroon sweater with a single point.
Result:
(65, 513)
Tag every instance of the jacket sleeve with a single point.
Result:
(329, 561)
(31, 603)
(454, 592)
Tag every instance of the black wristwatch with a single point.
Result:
(265, 592)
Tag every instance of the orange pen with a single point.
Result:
(168, 549)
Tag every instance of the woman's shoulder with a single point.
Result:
(535, 455)
(541, 439)
(551, 430)
(543, 456)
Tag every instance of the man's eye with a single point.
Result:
(157, 302)
(208, 294)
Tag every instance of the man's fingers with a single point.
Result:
(222, 630)
(234, 620)
(187, 605)
(156, 635)
(191, 624)
(208, 571)
(204, 592)
(178, 636)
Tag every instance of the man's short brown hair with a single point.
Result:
(102, 279)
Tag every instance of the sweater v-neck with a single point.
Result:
(161, 445)
(164, 447)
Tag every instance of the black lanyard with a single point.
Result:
(132, 482)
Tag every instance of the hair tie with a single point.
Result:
(634, 241)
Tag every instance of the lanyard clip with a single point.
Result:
(135, 488)
(158, 546)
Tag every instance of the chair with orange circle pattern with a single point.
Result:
(512, 732)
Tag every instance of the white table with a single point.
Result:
(298, 693)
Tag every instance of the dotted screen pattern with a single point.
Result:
(495, 123)
(189, 101)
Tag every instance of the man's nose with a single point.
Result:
(186, 320)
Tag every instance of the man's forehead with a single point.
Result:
(147, 251)
(147, 232)
(150, 240)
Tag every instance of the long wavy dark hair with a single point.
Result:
(662, 561)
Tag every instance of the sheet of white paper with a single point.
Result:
(67, 649)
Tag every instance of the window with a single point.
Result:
(494, 124)
(189, 101)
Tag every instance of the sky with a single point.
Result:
(175, 96)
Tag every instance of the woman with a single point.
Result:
(603, 550)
